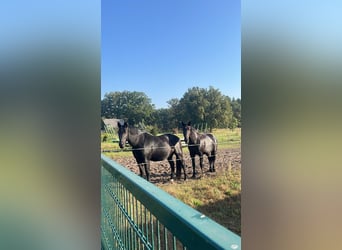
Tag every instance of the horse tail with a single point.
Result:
(178, 148)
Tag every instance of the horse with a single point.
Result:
(200, 144)
(147, 147)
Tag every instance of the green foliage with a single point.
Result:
(133, 106)
(161, 119)
(203, 106)
(174, 110)
(236, 108)
(233, 123)
(152, 129)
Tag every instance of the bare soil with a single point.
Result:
(160, 171)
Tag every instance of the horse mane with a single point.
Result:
(135, 130)
(195, 130)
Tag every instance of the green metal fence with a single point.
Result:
(138, 215)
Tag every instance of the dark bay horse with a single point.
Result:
(200, 144)
(147, 147)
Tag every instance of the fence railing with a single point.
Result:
(138, 215)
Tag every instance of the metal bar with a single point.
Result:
(165, 239)
(129, 215)
(158, 235)
(152, 231)
(142, 220)
(174, 242)
(118, 241)
(146, 224)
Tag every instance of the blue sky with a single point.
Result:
(163, 48)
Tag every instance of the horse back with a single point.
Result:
(208, 143)
(213, 139)
(159, 148)
(173, 140)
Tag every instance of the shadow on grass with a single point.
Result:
(226, 212)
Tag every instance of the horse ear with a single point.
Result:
(189, 123)
(119, 124)
(183, 124)
(125, 124)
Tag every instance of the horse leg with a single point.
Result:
(172, 166)
(210, 161)
(141, 169)
(147, 170)
(201, 164)
(180, 163)
(140, 165)
(193, 167)
(178, 168)
(213, 157)
(140, 162)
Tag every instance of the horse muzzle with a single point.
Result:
(121, 145)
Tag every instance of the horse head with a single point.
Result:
(186, 131)
(122, 133)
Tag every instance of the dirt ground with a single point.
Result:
(160, 171)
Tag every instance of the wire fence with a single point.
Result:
(184, 145)
(228, 156)
(232, 157)
(226, 160)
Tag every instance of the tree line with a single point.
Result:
(198, 105)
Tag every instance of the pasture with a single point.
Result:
(226, 139)
(217, 195)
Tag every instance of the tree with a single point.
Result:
(236, 108)
(134, 106)
(233, 123)
(174, 111)
(207, 106)
(219, 112)
(192, 106)
(162, 119)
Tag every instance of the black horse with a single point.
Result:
(200, 144)
(147, 147)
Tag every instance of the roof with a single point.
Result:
(111, 122)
